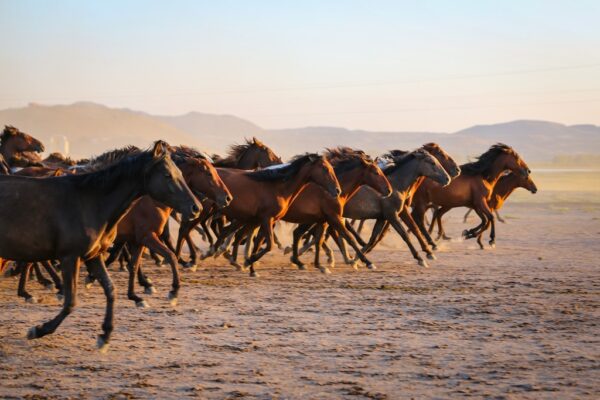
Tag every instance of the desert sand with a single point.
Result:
(517, 321)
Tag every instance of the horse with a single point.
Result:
(503, 188)
(313, 207)
(77, 219)
(250, 155)
(402, 173)
(425, 241)
(143, 225)
(19, 148)
(472, 188)
(260, 198)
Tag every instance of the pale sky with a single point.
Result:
(377, 65)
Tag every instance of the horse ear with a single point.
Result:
(160, 149)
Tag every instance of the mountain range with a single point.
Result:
(91, 128)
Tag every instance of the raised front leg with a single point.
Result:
(70, 271)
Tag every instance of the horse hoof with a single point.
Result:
(431, 256)
(371, 267)
(31, 300)
(102, 345)
(173, 301)
(49, 286)
(423, 264)
(287, 250)
(59, 297)
(142, 304)
(254, 274)
(150, 290)
(191, 268)
(434, 247)
(492, 245)
(301, 267)
(32, 333)
(465, 233)
(325, 270)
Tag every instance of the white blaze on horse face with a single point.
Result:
(277, 166)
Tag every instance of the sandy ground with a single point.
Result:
(519, 321)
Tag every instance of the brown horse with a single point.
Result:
(261, 198)
(472, 188)
(251, 155)
(19, 149)
(503, 188)
(77, 219)
(143, 225)
(404, 171)
(352, 169)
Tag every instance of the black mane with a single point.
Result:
(284, 173)
(344, 159)
(483, 165)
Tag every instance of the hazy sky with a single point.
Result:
(380, 65)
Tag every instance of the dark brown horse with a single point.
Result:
(77, 219)
(313, 207)
(261, 198)
(472, 188)
(250, 155)
(503, 188)
(143, 225)
(19, 149)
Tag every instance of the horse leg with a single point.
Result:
(373, 240)
(484, 212)
(114, 252)
(42, 280)
(498, 217)
(300, 230)
(22, 291)
(266, 227)
(239, 236)
(124, 258)
(397, 225)
(467, 215)
(361, 224)
(319, 238)
(337, 223)
(70, 270)
(99, 269)
(55, 278)
(437, 217)
(145, 282)
(412, 226)
(165, 236)
(136, 255)
(157, 260)
(418, 215)
(354, 233)
(341, 244)
(153, 242)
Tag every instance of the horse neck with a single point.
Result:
(112, 206)
(404, 177)
(350, 181)
(495, 172)
(292, 188)
(7, 149)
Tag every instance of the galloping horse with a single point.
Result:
(352, 169)
(503, 188)
(77, 219)
(406, 168)
(19, 149)
(261, 198)
(144, 223)
(472, 188)
(251, 155)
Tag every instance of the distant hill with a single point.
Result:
(92, 128)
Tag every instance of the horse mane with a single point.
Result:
(57, 157)
(345, 158)
(180, 153)
(111, 157)
(8, 131)
(127, 166)
(401, 157)
(236, 152)
(483, 164)
(283, 172)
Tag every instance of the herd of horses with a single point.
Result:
(57, 213)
